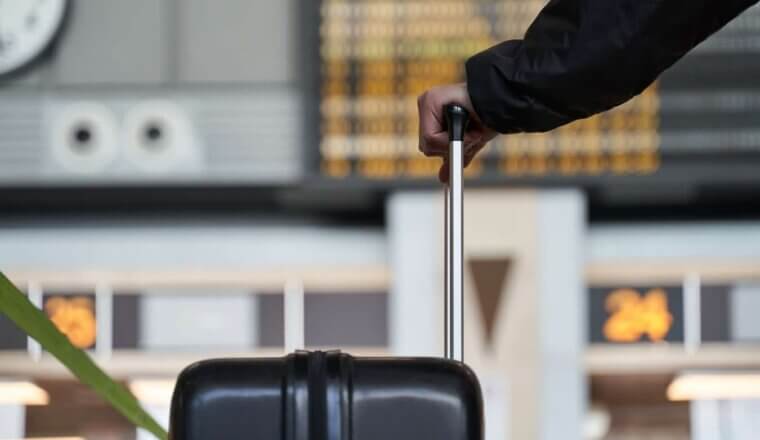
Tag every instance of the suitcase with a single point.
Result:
(335, 396)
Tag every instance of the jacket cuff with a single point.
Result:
(486, 94)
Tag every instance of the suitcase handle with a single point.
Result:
(456, 120)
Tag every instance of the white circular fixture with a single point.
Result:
(158, 136)
(27, 27)
(84, 137)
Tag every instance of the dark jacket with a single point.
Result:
(581, 57)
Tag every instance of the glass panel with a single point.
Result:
(340, 319)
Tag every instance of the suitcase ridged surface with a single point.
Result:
(327, 396)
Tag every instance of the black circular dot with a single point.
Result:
(82, 135)
(153, 133)
(82, 138)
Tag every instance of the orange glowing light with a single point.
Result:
(634, 315)
(74, 317)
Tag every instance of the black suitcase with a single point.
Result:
(334, 396)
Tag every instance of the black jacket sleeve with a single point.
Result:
(581, 57)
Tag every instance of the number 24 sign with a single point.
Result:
(633, 315)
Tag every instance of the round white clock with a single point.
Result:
(26, 29)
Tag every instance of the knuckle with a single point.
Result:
(427, 152)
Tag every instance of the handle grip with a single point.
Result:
(456, 119)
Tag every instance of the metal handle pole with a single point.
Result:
(454, 306)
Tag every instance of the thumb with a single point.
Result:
(443, 173)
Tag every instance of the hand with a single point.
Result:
(434, 138)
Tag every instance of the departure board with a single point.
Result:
(376, 56)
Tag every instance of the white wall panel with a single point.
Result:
(217, 320)
(674, 240)
(745, 309)
(172, 244)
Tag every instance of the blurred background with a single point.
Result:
(175, 174)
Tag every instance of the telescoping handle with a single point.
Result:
(456, 119)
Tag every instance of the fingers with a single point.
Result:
(469, 155)
(443, 173)
(433, 137)
(435, 144)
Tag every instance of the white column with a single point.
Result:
(532, 371)
(704, 416)
(293, 310)
(724, 419)
(745, 419)
(561, 313)
(104, 315)
(692, 313)
(34, 292)
(415, 221)
(12, 421)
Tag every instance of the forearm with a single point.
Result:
(582, 57)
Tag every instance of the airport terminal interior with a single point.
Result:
(190, 179)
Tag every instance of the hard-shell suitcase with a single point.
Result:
(335, 396)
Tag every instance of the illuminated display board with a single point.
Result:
(376, 56)
(623, 315)
(74, 316)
